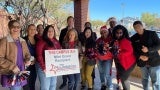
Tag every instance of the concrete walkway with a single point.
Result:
(135, 82)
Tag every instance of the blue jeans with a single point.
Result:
(104, 68)
(46, 83)
(154, 73)
(16, 88)
(73, 81)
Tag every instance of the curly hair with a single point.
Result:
(124, 30)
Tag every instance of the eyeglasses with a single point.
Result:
(16, 27)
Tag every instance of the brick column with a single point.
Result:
(80, 13)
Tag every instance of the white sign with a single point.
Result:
(61, 62)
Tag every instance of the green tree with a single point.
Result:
(97, 23)
(157, 23)
(26, 11)
(59, 10)
(149, 19)
(31, 11)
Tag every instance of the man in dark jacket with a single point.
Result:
(146, 45)
(70, 25)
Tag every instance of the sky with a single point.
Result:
(103, 9)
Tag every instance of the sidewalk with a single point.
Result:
(135, 82)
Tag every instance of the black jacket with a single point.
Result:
(62, 34)
(151, 40)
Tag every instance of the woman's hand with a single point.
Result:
(16, 70)
(32, 59)
(33, 62)
(44, 70)
(27, 63)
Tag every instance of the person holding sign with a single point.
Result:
(88, 62)
(48, 42)
(71, 42)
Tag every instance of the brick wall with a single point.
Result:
(80, 13)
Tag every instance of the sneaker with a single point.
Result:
(62, 85)
(103, 87)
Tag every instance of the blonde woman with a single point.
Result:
(71, 42)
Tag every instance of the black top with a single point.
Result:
(62, 34)
(151, 40)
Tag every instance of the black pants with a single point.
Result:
(31, 79)
(93, 74)
(123, 75)
(64, 78)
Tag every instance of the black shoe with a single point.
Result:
(103, 87)
(93, 82)
(90, 88)
(83, 87)
(62, 85)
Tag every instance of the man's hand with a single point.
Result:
(159, 52)
(143, 58)
(144, 49)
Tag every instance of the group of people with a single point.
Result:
(114, 44)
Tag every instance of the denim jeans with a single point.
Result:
(104, 68)
(73, 81)
(154, 74)
(16, 88)
(46, 83)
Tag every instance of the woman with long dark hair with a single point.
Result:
(49, 42)
(88, 46)
(123, 55)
